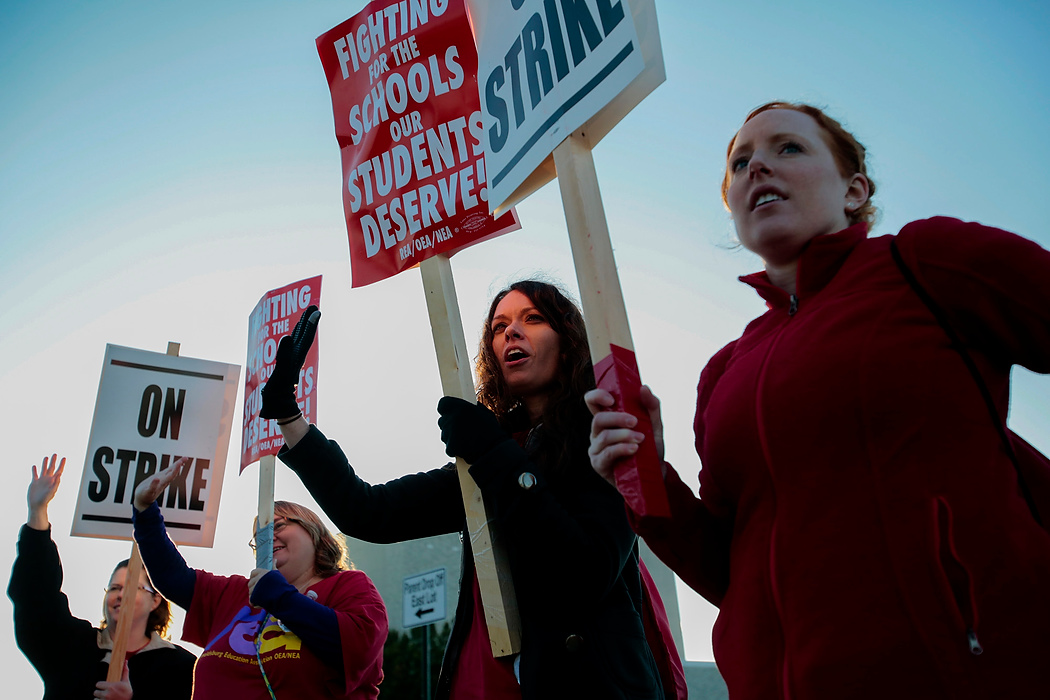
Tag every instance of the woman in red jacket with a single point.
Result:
(860, 523)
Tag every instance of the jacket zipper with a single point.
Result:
(774, 591)
(975, 645)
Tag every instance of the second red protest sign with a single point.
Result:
(403, 78)
(274, 317)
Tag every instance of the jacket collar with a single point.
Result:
(105, 641)
(818, 263)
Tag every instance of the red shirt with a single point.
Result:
(221, 620)
(479, 675)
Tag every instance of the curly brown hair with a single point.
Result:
(849, 154)
(565, 419)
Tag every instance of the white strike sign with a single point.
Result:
(152, 409)
(424, 598)
(546, 69)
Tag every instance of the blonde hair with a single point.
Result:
(330, 556)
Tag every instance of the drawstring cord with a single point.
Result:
(258, 645)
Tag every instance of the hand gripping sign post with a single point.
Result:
(271, 319)
(152, 409)
(556, 77)
(403, 77)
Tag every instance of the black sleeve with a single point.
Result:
(418, 505)
(167, 569)
(44, 626)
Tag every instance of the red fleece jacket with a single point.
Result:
(859, 524)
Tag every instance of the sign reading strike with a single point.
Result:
(546, 69)
(151, 410)
(403, 77)
(424, 598)
(273, 318)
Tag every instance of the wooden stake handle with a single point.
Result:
(264, 526)
(127, 600)
(127, 612)
(612, 351)
(490, 562)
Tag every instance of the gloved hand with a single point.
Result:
(278, 396)
(469, 430)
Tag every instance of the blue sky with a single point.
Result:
(162, 166)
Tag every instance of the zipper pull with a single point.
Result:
(794, 305)
(975, 646)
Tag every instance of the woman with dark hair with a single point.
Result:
(863, 521)
(572, 556)
(308, 628)
(72, 656)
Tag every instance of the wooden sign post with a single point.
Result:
(264, 526)
(490, 563)
(127, 612)
(131, 592)
(421, 211)
(592, 93)
(608, 333)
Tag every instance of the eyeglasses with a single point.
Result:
(278, 527)
(117, 588)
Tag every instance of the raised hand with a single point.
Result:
(42, 489)
(278, 396)
(612, 434)
(150, 489)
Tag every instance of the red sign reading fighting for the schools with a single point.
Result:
(273, 318)
(403, 77)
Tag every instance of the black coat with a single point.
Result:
(64, 649)
(572, 554)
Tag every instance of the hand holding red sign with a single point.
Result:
(614, 437)
(278, 395)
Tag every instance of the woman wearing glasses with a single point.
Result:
(70, 654)
(309, 628)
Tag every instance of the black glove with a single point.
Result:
(469, 430)
(278, 396)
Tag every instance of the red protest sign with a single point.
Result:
(638, 478)
(273, 318)
(403, 78)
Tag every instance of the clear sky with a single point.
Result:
(162, 166)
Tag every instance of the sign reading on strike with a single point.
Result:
(546, 69)
(273, 318)
(403, 77)
(151, 410)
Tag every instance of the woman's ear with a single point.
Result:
(857, 191)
